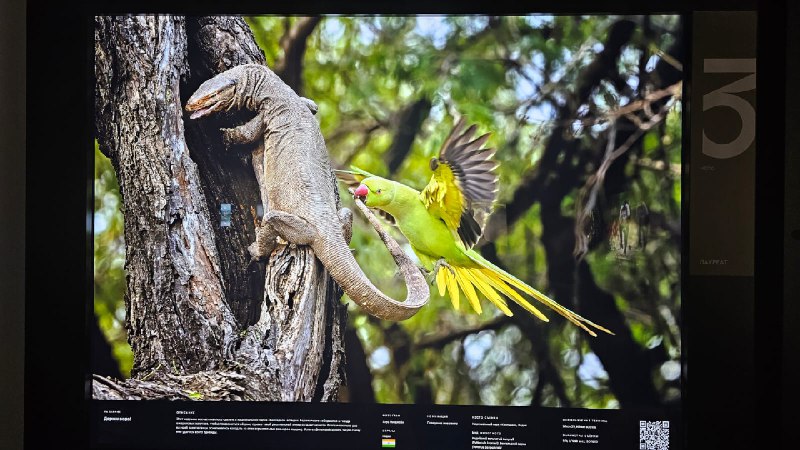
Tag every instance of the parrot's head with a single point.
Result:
(375, 192)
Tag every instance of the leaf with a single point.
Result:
(194, 395)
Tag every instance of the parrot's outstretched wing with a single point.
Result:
(464, 185)
(352, 178)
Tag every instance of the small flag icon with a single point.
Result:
(388, 443)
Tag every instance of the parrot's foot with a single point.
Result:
(438, 266)
(425, 274)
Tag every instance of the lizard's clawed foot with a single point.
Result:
(310, 104)
(228, 139)
(256, 253)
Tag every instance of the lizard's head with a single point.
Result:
(214, 95)
(375, 192)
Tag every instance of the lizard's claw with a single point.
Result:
(310, 104)
(227, 137)
(255, 254)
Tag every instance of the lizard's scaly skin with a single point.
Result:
(300, 188)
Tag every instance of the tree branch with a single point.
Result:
(439, 342)
(408, 123)
(554, 177)
(587, 196)
(293, 42)
(603, 67)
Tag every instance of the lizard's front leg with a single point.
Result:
(288, 227)
(247, 133)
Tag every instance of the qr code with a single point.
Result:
(654, 435)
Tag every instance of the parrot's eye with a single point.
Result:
(378, 191)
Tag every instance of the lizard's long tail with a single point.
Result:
(344, 269)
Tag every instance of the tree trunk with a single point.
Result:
(201, 322)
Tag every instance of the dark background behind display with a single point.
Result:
(56, 338)
(12, 219)
(789, 394)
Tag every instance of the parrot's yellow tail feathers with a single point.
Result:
(446, 281)
(512, 294)
(568, 314)
(478, 278)
(462, 276)
(455, 279)
(494, 283)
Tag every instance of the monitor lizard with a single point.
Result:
(299, 184)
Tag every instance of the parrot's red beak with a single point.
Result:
(361, 192)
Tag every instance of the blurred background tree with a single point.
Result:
(585, 115)
(109, 274)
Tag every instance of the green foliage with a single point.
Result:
(194, 395)
(109, 261)
(509, 75)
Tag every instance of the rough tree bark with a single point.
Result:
(200, 323)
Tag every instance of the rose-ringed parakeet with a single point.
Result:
(444, 221)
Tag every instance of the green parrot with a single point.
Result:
(444, 221)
